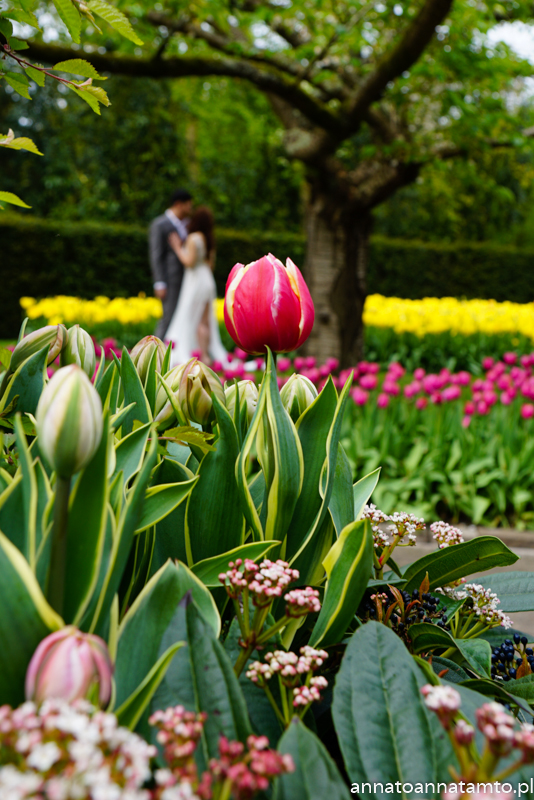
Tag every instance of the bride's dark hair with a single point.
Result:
(202, 221)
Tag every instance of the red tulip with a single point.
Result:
(268, 305)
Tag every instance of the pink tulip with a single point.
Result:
(344, 374)
(67, 664)
(283, 364)
(360, 396)
(478, 385)
(506, 399)
(509, 358)
(268, 305)
(487, 362)
(313, 375)
(490, 397)
(368, 382)
(390, 388)
(299, 363)
(421, 403)
(382, 400)
(411, 389)
(332, 363)
(310, 362)
(469, 408)
(436, 398)
(451, 393)
(466, 421)
(482, 407)
(419, 374)
(324, 372)
(373, 367)
(463, 378)
(240, 354)
(527, 410)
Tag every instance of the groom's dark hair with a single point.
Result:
(180, 196)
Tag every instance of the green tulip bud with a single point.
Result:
(141, 355)
(164, 414)
(69, 421)
(54, 335)
(297, 394)
(79, 350)
(248, 397)
(198, 384)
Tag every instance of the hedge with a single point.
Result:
(42, 258)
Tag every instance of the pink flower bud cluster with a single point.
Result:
(445, 534)
(304, 695)
(62, 750)
(443, 700)
(464, 733)
(264, 581)
(482, 603)
(376, 518)
(300, 602)
(248, 769)
(179, 731)
(497, 726)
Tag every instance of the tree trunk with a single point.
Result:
(336, 273)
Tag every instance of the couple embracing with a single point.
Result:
(182, 257)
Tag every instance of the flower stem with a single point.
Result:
(281, 623)
(58, 558)
(273, 703)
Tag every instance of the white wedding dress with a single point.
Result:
(198, 288)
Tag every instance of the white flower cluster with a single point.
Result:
(483, 603)
(70, 751)
(304, 695)
(402, 526)
(288, 665)
(445, 534)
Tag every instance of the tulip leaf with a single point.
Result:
(515, 590)
(104, 382)
(122, 541)
(249, 506)
(378, 708)
(341, 504)
(25, 620)
(447, 565)
(214, 521)
(316, 775)
(362, 491)
(44, 523)
(170, 531)
(162, 500)
(348, 566)
(29, 496)
(208, 571)
(12, 520)
(133, 393)
(131, 711)
(27, 382)
(150, 381)
(305, 558)
(313, 428)
(86, 531)
(130, 452)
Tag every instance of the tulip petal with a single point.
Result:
(40, 655)
(307, 310)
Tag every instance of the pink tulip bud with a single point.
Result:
(419, 374)
(67, 665)
(382, 400)
(487, 362)
(360, 396)
(469, 408)
(527, 410)
(421, 403)
(509, 358)
(466, 421)
(368, 382)
(268, 305)
(506, 399)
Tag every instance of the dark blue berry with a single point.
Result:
(511, 672)
(517, 638)
(524, 640)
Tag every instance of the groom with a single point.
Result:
(167, 269)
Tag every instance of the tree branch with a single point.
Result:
(401, 57)
(189, 67)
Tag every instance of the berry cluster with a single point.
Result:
(399, 610)
(512, 659)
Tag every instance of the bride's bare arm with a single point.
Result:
(185, 252)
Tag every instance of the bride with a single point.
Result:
(194, 328)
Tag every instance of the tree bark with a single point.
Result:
(336, 272)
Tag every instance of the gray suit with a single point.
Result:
(166, 267)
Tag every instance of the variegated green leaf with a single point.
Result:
(162, 500)
(208, 571)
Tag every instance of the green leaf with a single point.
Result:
(348, 565)
(6, 27)
(87, 96)
(78, 66)
(23, 15)
(70, 16)
(384, 730)
(477, 653)
(98, 93)
(208, 571)
(522, 688)
(186, 434)
(362, 491)
(37, 76)
(447, 565)
(515, 590)
(316, 776)
(131, 711)
(115, 18)
(133, 393)
(162, 500)
(9, 197)
(170, 531)
(341, 503)
(426, 636)
(29, 496)
(23, 143)
(130, 452)
(25, 620)
(455, 674)
(27, 382)
(88, 508)
(214, 521)
(5, 357)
